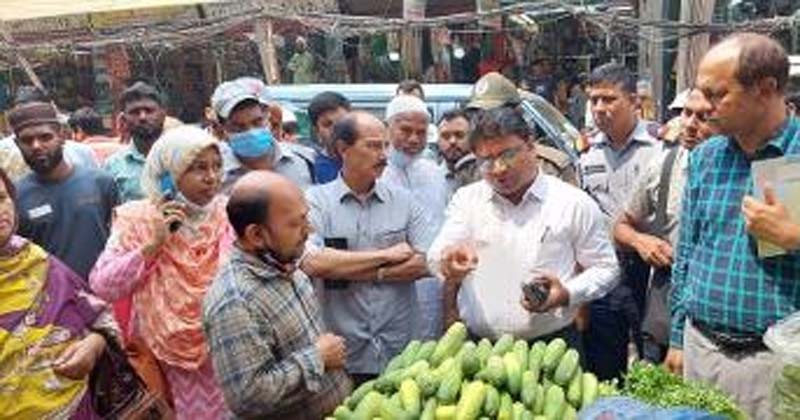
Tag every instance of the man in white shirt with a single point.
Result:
(516, 226)
(407, 118)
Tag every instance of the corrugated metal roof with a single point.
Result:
(15, 10)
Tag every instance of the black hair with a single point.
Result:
(10, 188)
(240, 106)
(616, 74)
(29, 93)
(325, 102)
(290, 127)
(409, 86)
(453, 114)
(247, 209)
(139, 91)
(88, 120)
(346, 130)
(794, 99)
(499, 122)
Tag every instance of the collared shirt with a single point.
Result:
(290, 161)
(554, 229)
(643, 203)
(426, 182)
(126, 168)
(13, 163)
(718, 278)
(262, 324)
(377, 319)
(609, 175)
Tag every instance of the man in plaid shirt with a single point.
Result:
(263, 323)
(724, 296)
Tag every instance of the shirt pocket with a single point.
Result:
(390, 237)
(596, 182)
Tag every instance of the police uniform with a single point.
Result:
(557, 163)
(610, 176)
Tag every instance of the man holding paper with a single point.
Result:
(725, 295)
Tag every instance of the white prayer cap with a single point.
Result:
(680, 100)
(402, 104)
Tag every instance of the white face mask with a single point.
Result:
(401, 159)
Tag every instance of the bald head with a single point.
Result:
(354, 124)
(753, 57)
(254, 194)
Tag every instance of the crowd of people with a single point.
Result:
(236, 273)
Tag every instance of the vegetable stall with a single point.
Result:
(457, 379)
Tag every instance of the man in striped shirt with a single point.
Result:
(724, 296)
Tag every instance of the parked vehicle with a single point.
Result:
(550, 125)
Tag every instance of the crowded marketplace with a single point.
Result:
(436, 210)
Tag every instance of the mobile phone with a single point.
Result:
(340, 244)
(536, 292)
(170, 192)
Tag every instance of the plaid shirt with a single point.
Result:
(718, 278)
(262, 325)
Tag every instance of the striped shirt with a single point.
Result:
(718, 278)
(262, 324)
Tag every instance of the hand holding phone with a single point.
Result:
(170, 192)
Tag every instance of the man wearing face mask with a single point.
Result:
(243, 117)
(273, 355)
(408, 118)
(143, 114)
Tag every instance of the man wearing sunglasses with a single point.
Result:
(518, 226)
(649, 222)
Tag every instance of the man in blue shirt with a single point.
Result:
(725, 297)
(324, 110)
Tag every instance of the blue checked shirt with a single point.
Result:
(262, 325)
(718, 278)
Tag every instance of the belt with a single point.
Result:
(731, 343)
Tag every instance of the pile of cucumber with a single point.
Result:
(456, 379)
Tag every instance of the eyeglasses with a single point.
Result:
(507, 158)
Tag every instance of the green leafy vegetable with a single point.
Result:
(654, 385)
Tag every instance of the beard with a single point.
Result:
(145, 134)
(45, 163)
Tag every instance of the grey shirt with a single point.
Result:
(376, 319)
(643, 203)
(609, 175)
(292, 161)
(71, 218)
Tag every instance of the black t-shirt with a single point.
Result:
(70, 219)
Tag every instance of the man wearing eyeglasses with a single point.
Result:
(649, 222)
(518, 226)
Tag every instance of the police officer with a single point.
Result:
(618, 154)
(495, 90)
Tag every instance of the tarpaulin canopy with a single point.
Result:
(15, 10)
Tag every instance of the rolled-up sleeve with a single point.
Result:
(254, 381)
(455, 229)
(594, 252)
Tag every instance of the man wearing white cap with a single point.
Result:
(241, 109)
(408, 118)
